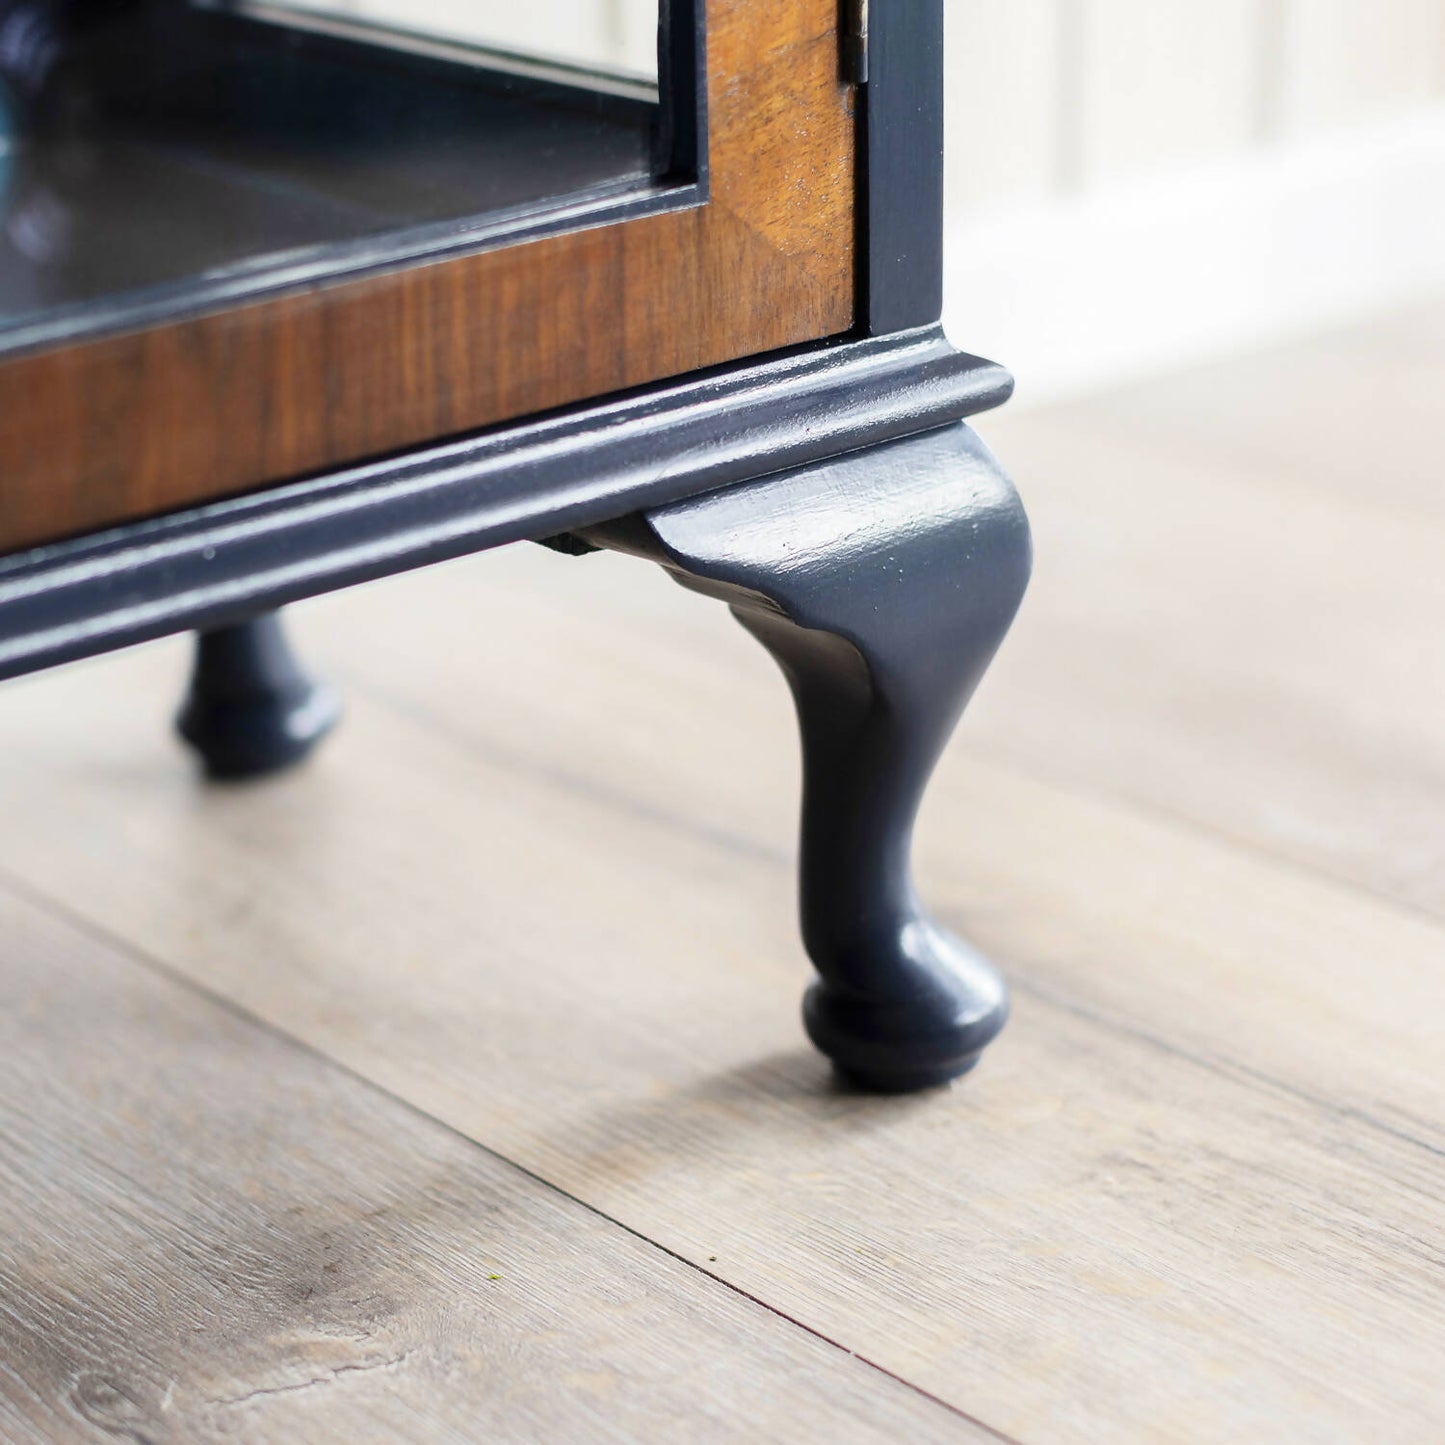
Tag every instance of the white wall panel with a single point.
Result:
(1165, 84)
(1352, 61)
(1003, 102)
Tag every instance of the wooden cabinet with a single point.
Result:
(287, 302)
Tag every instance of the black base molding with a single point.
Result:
(222, 563)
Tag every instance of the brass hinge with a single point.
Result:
(855, 42)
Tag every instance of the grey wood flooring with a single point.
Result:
(452, 1087)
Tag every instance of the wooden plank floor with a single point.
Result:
(505, 983)
(211, 1233)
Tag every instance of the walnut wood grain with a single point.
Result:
(176, 413)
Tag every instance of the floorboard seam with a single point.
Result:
(1163, 815)
(741, 845)
(61, 911)
(1000, 757)
(1221, 1067)
(582, 785)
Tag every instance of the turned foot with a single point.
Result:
(251, 709)
(882, 583)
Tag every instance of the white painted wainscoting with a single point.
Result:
(1135, 183)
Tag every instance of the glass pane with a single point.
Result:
(152, 147)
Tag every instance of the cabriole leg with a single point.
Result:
(251, 709)
(882, 583)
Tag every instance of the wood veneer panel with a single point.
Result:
(173, 414)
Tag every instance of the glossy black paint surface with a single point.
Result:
(162, 156)
(682, 102)
(901, 272)
(882, 583)
(251, 708)
(227, 561)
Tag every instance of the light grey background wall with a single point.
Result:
(1054, 98)
(1138, 183)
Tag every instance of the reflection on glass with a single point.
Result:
(160, 144)
(618, 37)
